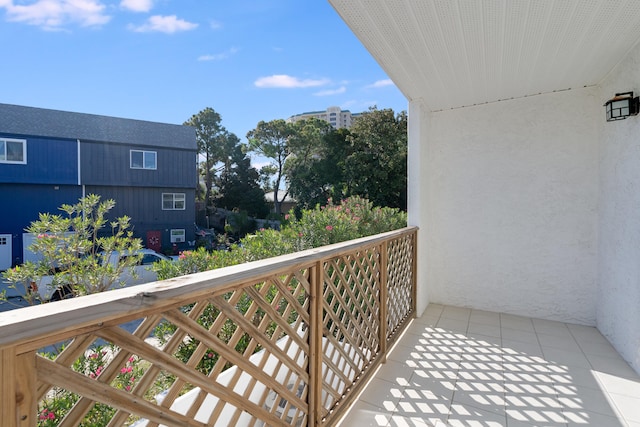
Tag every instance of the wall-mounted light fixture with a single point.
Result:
(622, 106)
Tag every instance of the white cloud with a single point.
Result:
(285, 81)
(341, 89)
(381, 83)
(215, 25)
(218, 56)
(137, 5)
(55, 14)
(164, 24)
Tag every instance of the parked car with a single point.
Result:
(140, 273)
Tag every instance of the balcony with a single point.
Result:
(299, 340)
(462, 367)
(285, 341)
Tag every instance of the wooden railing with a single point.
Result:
(285, 341)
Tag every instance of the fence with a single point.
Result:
(285, 341)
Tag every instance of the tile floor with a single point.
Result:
(461, 367)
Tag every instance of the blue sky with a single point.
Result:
(165, 60)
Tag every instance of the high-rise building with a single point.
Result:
(334, 115)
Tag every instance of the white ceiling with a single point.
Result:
(454, 53)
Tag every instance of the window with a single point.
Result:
(173, 201)
(177, 235)
(13, 150)
(143, 159)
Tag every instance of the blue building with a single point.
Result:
(50, 157)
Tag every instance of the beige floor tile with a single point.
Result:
(573, 376)
(483, 400)
(611, 365)
(562, 357)
(381, 394)
(423, 383)
(395, 372)
(529, 349)
(519, 335)
(463, 415)
(583, 333)
(418, 404)
(421, 420)
(457, 313)
(585, 399)
(628, 386)
(562, 343)
(427, 319)
(456, 367)
(453, 325)
(628, 406)
(516, 322)
(421, 329)
(598, 348)
(550, 327)
(485, 317)
(434, 310)
(365, 415)
(584, 418)
(538, 417)
(485, 329)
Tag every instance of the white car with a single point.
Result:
(142, 273)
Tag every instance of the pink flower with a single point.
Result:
(123, 370)
(299, 234)
(262, 229)
(329, 227)
(286, 216)
(127, 387)
(132, 359)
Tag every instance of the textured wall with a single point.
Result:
(618, 310)
(512, 192)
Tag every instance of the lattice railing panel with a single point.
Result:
(240, 357)
(400, 282)
(351, 292)
(284, 342)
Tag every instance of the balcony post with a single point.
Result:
(384, 278)
(315, 345)
(18, 404)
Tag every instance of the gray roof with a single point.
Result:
(21, 120)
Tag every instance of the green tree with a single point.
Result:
(239, 186)
(315, 168)
(271, 140)
(210, 136)
(75, 249)
(376, 167)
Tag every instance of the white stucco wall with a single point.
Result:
(618, 310)
(418, 193)
(511, 193)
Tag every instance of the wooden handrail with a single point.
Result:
(288, 340)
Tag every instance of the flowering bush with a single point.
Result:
(352, 218)
(58, 401)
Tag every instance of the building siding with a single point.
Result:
(49, 161)
(73, 154)
(22, 204)
(144, 207)
(110, 163)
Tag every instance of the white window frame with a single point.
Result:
(176, 198)
(177, 235)
(144, 158)
(3, 154)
